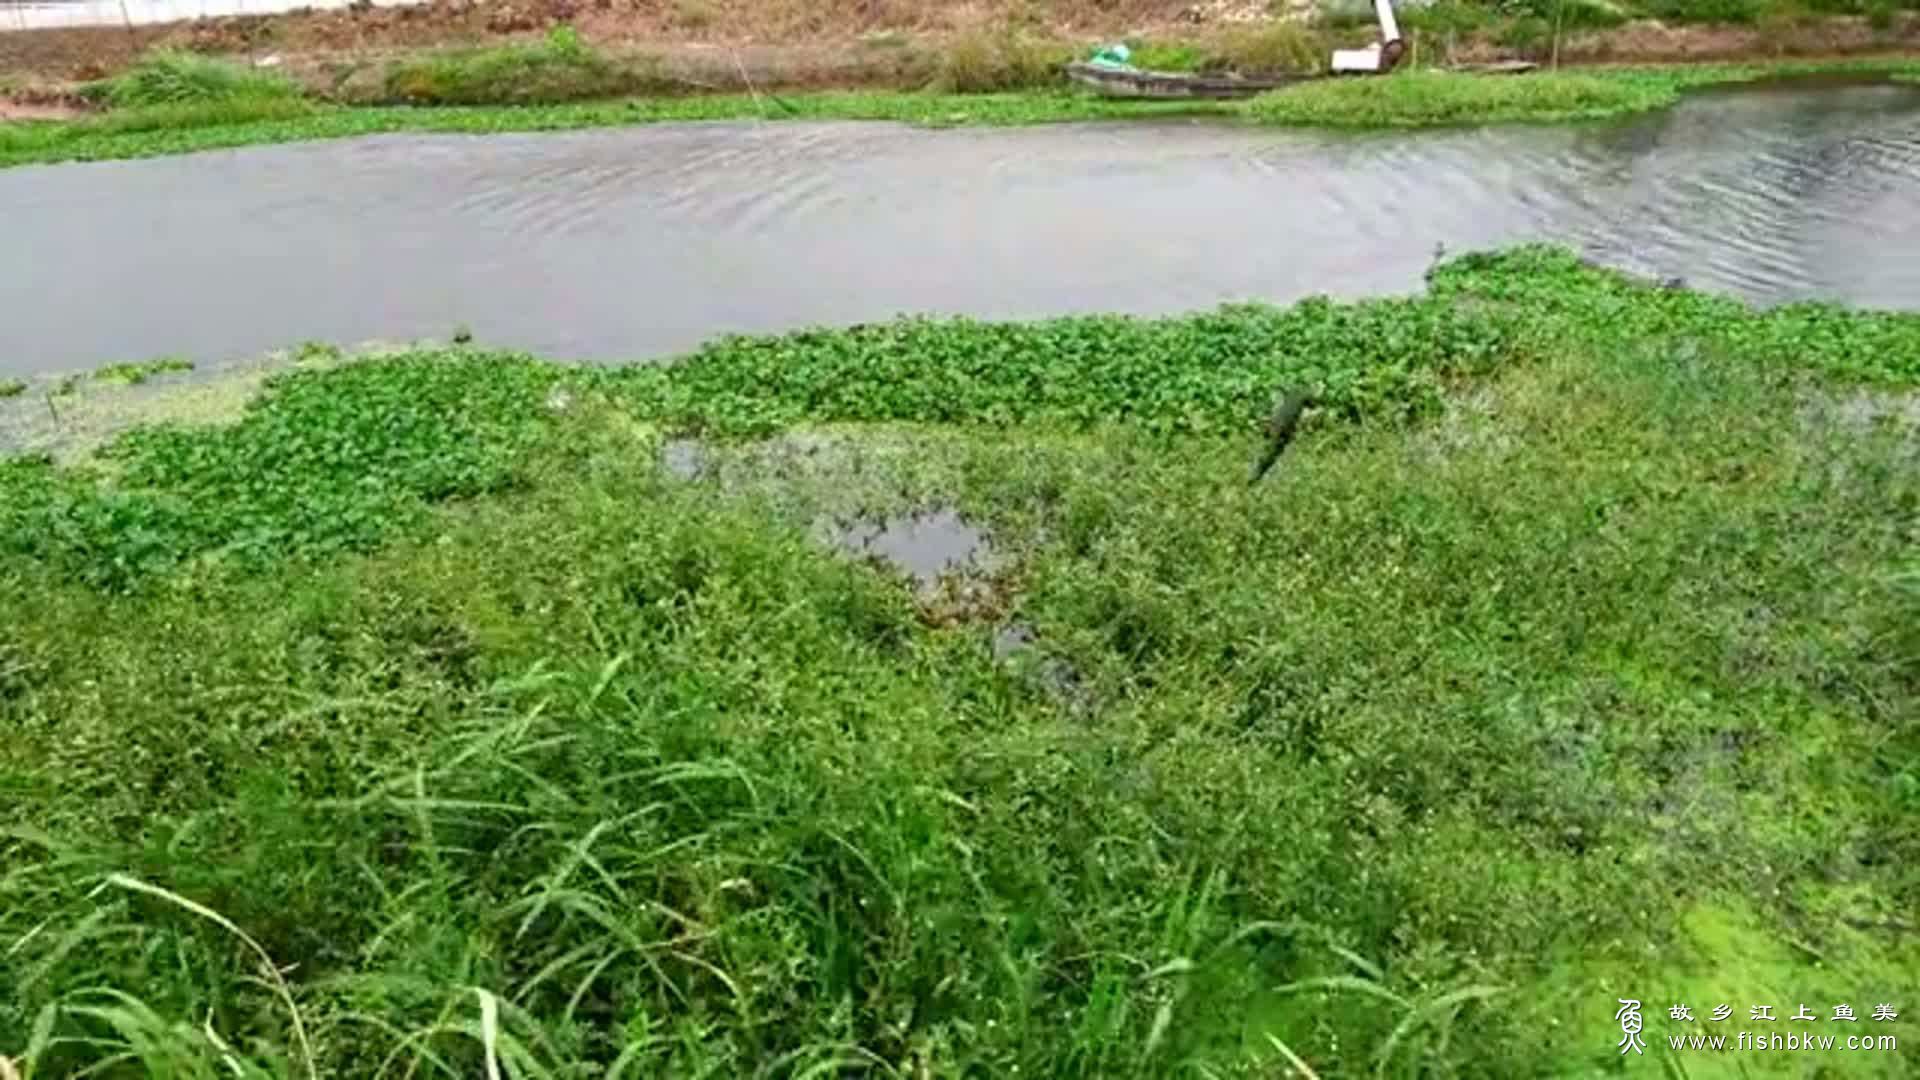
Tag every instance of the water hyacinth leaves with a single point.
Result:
(414, 724)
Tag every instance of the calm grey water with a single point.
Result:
(643, 242)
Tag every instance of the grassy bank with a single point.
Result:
(1418, 99)
(156, 131)
(178, 104)
(1567, 657)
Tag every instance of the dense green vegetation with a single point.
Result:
(184, 104)
(1569, 655)
(168, 77)
(1250, 48)
(1422, 99)
(135, 372)
(558, 68)
(1432, 98)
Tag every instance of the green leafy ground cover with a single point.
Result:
(1568, 656)
(1418, 99)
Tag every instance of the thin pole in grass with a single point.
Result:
(490, 1031)
(1553, 63)
(279, 981)
(748, 79)
(1300, 1068)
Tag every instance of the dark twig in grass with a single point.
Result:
(1280, 431)
(748, 79)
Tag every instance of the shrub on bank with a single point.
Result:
(982, 62)
(1248, 49)
(559, 67)
(173, 77)
(1280, 46)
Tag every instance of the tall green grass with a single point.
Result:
(1254, 49)
(558, 68)
(1432, 98)
(989, 61)
(420, 723)
(1426, 98)
(176, 78)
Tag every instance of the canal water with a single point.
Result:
(642, 242)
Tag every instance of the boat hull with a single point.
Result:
(1172, 85)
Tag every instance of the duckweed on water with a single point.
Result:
(1425, 99)
(1434, 98)
(1567, 657)
(133, 373)
(337, 459)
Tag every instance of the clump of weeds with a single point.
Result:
(133, 373)
(174, 77)
(559, 67)
(407, 724)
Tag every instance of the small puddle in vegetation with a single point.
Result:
(926, 544)
(958, 575)
(684, 459)
(1862, 411)
(1017, 645)
(934, 544)
(1013, 639)
(71, 416)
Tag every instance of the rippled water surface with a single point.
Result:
(642, 242)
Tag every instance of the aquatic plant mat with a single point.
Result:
(448, 713)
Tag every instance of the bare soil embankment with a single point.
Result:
(698, 45)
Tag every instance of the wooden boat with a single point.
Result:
(1501, 67)
(1139, 83)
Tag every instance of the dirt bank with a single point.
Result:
(725, 44)
(22, 110)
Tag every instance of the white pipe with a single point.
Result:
(1389, 29)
